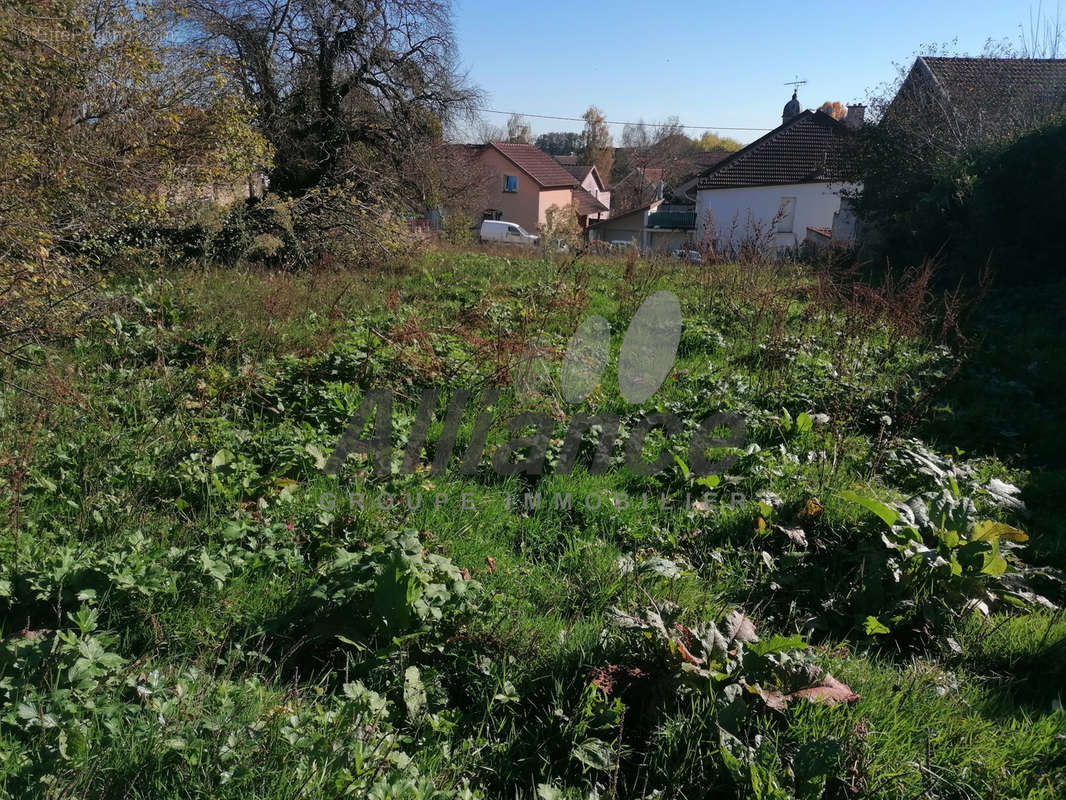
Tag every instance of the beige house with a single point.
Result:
(593, 184)
(525, 182)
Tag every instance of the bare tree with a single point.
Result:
(333, 78)
(652, 158)
(519, 130)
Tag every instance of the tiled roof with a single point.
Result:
(579, 171)
(826, 232)
(540, 166)
(568, 161)
(710, 158)
(982, 98)
(1000, 79)
(585, 203)
(806, 149)
(701, 162)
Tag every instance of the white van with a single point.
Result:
(506, 232)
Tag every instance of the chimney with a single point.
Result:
(855, 116)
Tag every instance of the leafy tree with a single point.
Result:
(834, 109)
(920, 163)
(712, 142)
(598, 149)
(111, 126)
(560, 143)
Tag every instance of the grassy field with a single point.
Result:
(862, 605)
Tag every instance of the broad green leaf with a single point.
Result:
(804, 422)
(414, 693)
(710, 481)
(778, 644)
(887, 514)
(990, 531)
(221, 458)
(874, 626)
(595, 754)
(995, 566)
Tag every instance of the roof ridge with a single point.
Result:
(744, 152)
(803, 149)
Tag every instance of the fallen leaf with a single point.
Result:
(830, 691)
(773, 699)
(465, 573)
(796, 535)
(686, 655)
(491, 563)
(812, 509)
(740, 628)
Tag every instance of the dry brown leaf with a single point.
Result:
(797, 536)
(811, 510)
(830, 691)
(773, 699)
(687, 656)
(740, 628)
(491, 563)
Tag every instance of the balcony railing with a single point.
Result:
(683, 220)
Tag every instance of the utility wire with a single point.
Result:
(611, 122)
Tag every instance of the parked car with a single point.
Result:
(622, 245)
(691, 256)
(506, 233)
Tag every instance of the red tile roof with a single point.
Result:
(826, 232)
(537, 164)
(808, 148)
(579, 171)
(585, 203)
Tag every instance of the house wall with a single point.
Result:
(665, 241)
(623, 229)
(522, 206)
(755, 206)
(552, 197)
(604, 196)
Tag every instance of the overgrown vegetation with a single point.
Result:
(205, 268)
(189, 606)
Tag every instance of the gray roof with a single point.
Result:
(808, 148)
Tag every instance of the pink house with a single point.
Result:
(525, 182)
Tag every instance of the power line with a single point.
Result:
(611, 122)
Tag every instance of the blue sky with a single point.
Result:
(710, 63)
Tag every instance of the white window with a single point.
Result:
(786, 215)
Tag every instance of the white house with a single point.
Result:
(769, 193)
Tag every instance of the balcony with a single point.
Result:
(675, 220)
